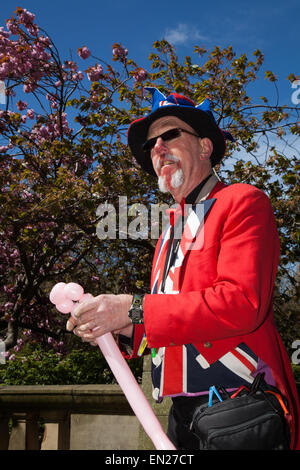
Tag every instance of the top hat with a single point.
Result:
(200, 118)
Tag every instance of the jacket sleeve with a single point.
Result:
(239, 297)
(129, 347)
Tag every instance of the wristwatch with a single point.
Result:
(136, 311)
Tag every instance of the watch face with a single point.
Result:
(136, 315)
(136, 311)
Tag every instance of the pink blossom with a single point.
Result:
(140, 75)
(44, 132)
(69, 64)
(25, 16)
(19, 60)
(14, 254)
(37, 74)
(78, 76)
(29, 87)
(119, 52)
(95, 73)
(21, 105)
(4, 34)
(4, 70)
(30, 113)
(84, 52)
(44, 40)
(12, 27)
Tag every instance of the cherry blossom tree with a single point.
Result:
(53, 176)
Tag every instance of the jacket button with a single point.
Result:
(207, 344)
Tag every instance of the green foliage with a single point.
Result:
(296, 372)
(49, 368)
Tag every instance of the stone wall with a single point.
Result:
(81, 417)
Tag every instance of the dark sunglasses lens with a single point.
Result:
(171, 134)
(149, 144)
(168, 135)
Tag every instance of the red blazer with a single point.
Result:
(226, 290)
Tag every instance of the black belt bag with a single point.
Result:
(249, 419)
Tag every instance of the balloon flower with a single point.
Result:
(64, 297)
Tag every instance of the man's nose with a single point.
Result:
(160, 146)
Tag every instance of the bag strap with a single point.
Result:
(257, 384)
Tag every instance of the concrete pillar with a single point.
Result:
(50, 438)
(17, 436)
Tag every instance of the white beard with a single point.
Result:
(176, 181)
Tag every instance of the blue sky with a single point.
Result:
(272, 27)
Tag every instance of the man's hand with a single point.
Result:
(102, 314)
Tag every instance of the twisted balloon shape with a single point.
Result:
(64, 297)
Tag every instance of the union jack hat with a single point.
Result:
(200, 118)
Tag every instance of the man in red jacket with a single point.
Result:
(214, 322)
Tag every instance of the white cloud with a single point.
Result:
(183, 34)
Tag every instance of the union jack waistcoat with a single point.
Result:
(182, 370)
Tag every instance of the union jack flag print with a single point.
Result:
(182, 370)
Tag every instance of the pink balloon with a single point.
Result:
(66, 306)
(73, 291)
(133, 392)
(57, 294)
(118, 365)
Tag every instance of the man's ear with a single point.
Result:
(206, 148)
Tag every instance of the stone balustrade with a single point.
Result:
(75, 417)
(66, 417)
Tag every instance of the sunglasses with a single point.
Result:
(166, 137)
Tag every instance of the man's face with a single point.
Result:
(180, 163)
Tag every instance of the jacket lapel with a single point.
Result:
(158, 269)
(192, 239)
